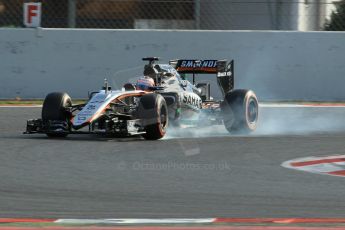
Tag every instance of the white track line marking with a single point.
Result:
(137, 221)
(274, 105)
(277, 105)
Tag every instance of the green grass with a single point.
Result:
(19, 102)
(32, 102)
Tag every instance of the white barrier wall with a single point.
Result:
(276, 65)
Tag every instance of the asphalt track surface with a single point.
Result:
(189, 174)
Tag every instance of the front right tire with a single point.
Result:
(54, 109)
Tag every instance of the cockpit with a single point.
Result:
(165, 75)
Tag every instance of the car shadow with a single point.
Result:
(75, 137)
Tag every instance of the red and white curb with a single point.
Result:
(177, 224)
(328, 165)
(130, 221)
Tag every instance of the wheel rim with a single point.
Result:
(252, 114)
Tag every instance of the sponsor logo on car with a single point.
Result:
(91, 107)
(202, 64)
(224, 74)
(81, 118)
(192, 100)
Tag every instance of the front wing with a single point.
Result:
(113, 127)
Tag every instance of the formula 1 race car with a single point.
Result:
(160, 98)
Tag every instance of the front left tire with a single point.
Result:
(153, 111)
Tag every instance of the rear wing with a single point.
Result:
(223, 68)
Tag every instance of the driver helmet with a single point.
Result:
(144, 83)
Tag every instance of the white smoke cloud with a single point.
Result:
(280, 120)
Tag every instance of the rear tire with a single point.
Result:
(153, 111)
(54, 109)
(240, 110)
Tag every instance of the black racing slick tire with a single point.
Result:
(153, 112)
(240, 110)
(54, 109)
